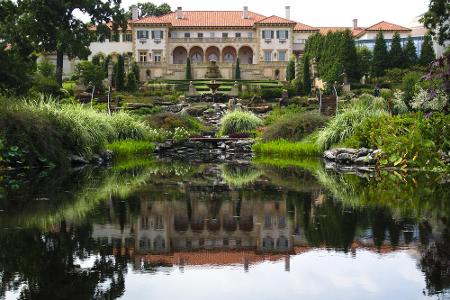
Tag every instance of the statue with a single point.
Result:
(212, 70)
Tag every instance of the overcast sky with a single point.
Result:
(315, 12)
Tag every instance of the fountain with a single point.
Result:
(213, 86)
(212, 70)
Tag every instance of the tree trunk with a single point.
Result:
(59, 67)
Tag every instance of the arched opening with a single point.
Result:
(246, 55)
(267, 243)
(282, 242)
(277, 74)
(148, 73)
(229, 54)
(212, 53)
(196, 54)
(179, 55)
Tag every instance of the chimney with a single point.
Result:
(179, 12)
(134, 12)
(288, 12)
(245, 12)
(355, 23)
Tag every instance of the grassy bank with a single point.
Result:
(126, 149)
(41, 131)
(283, 148)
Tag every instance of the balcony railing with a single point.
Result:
(298, 46)
(213, 40)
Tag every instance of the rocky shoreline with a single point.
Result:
(346, 160)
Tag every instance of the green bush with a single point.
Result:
(341, 127)
(281, 112)
(88, 73)
(239, 122)
(408, 140)
(45, 85)
(409, 82)
(271, 93)
(294, 127)
(170, 121)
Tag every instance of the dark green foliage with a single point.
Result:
(188, 74)
(271, 93)
(409, 83)
(170, 121)
(427, 54)
(15, 70)
(135, 70)
(306, 75)
(62, 32)
(406, 140)
(44, 84)
(334, 53)
(294, 127)
(120, 74)
(131, 84)
(290, 70)
(364, 60)
(396, 59)
(89, 74)
(380, 59)
(149, 9)
(409, 53)
(237, 74)
(436, 20)
(46, 68)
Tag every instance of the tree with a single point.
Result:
(364, 60)
(135, 70)
(237, 74)
(380, 56)
(306, 75)
(62, 33)
(349, 56)
(427, 52)
(120, 73)
(437, 20)
(188, 69)
(396, 58)
(131, 85)
(148, 9)
(89, 74)
(290, 70)
(410, 53)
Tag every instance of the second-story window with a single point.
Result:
(187, 34)
(282, 34)
(127, 37)
(157, 56)
(224, 34)
(174, 34)
(238, 34)
(250, 34)
(267, 34)
(157, 34)
(200, 34)
(142, 34)
(212, 34)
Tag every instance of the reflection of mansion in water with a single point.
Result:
(201, 232)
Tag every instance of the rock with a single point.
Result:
(107, 155)
(344, 158)
(363, 152)
(330, 155)
(346, 150)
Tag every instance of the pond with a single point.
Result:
(261, 230)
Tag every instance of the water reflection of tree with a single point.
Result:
(45, 263)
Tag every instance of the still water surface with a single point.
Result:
(179, 231)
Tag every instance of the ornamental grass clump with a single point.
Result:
(239, 122)
(342, 126)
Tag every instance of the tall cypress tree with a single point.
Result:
(306, 75)
(188, 69)
(427, 53)
(120, 73)
(410, 53)
(290, 70)
(396, 59)
(237, 74)
(380, 56)
(350, 56)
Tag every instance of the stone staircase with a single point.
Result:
(328, 107)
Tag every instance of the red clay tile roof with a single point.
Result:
(386, 26)
(304, 27)
(275, 20)
(109, 25)
(205, 19)
(355, 31)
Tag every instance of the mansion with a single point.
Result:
(263, 45)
